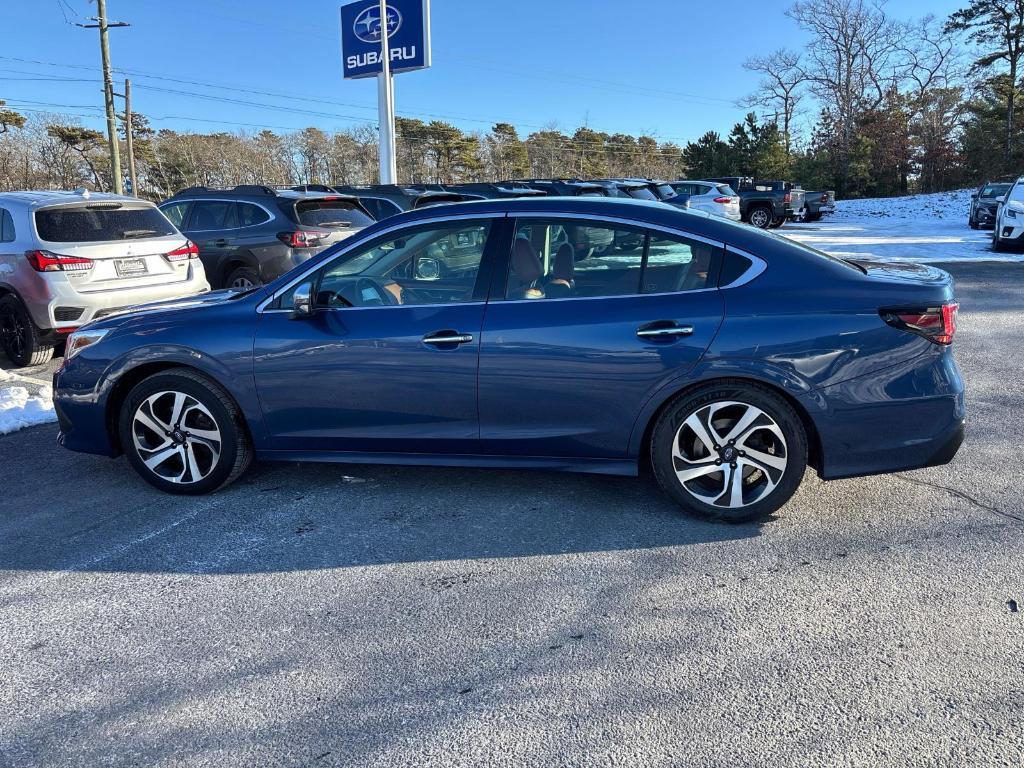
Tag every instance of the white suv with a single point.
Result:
(1010, 219)
(70, 257)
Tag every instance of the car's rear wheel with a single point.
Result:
(243, 279)
(731, 451)
(22, 342)
(776, 223)
(761, 217)
(184, 434)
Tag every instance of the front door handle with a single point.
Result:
(448, 337)
(220, 243)
(664, 330)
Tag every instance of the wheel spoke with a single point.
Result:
(751, 415)
(179, 402)
(698, 470)
(735, 483)
(705, 434)
(151, 422)
(193, 465)
(160, 457)
(767, 459)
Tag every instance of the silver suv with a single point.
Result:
(70, 257)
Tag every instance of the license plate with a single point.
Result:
(130, 267)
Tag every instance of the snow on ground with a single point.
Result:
(922, 228)
(19, 408)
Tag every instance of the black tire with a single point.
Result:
(669, 429)
(243, 278)
(235, 453)
(761, 216)
(776, 223)
(22, 342)
(972, 224)
(997, 243)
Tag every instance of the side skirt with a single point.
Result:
(627, 467)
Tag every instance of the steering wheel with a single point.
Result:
(372, 294)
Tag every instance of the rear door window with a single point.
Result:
(98, 223)
(249, 215)
(332, 214)
(7, 233)
(210, 215)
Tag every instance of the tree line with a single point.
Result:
(871, 106)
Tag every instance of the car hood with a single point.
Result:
(208, 299)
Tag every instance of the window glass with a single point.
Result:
(175, 212)
(250, 215)
(6, 226)
(676, 264)
(380, 208)
(429, 265)
(725, 189)
(561, 259)
(212, 214)
(332, 214)
(97, 223)
(640, 193)
(995, 190)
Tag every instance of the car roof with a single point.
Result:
(37, 198)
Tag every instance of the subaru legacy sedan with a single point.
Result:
(579, 334)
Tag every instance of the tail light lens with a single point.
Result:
(937, 324)
(788, 198)
(188, 251)
(723, 200)
(300, 238)
(824, 198)
(44, 261)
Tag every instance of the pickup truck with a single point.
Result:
(765, 204)
(817, 204)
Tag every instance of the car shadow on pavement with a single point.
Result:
(99, 516)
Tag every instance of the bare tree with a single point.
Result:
(780, 89)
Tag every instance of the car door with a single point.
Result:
(213, 226)
(567, 372)
(387, 360)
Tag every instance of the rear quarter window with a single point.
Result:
(7, 233)
(100, 224)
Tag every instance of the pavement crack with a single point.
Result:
(963, 496)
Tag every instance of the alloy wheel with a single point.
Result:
(176, 437)
(242, 283)
(13, 334)
(760, 218)
(729, 454)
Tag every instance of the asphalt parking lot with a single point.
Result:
(329, 616)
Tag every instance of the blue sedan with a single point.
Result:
(578, 334)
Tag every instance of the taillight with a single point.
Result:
(824, 198)
(723, 200)
(188, 251)
(44, 261)
(787, 198)
(300, 239)
(936, 324)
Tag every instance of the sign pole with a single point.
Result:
(386, 106)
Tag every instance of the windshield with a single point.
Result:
(100, 223)
(331, 213)
(995, 190)
(640, 193)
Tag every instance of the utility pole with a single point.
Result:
(386, 105)
(128, 135)
(108, 89)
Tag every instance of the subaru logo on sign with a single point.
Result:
(367, 24)
(408, 31)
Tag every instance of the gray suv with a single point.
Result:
(252, 234)
(70, 257)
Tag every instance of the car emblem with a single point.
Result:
(367, 24)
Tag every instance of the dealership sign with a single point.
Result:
(407, 25)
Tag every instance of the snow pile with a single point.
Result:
(19, 409)
(921, 228)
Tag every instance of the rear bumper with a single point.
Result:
(907, 416)
(58, 306)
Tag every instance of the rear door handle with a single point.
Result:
(664, 330)
(220, 243)
(448, 337)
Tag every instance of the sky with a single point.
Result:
(668, 68)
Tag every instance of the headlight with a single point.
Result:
(1011, 214)
(79, 340)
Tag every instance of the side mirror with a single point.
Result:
(428, 268)
(302, 301)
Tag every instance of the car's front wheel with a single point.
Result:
(183, 433)
(732, 451)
